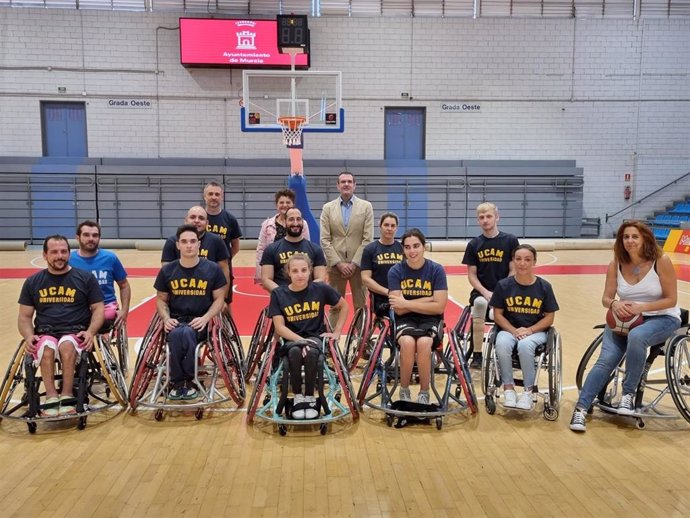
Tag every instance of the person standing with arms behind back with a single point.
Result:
(488, 259)
(224, 225)
(347, 226)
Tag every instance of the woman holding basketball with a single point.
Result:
(640, 280)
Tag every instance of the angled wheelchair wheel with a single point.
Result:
(260, 384)
(488, 370)
(554, 368)
(151, 354)
(463, 332)
(13, 377)
(153, 329)
(356, 339)
(343, 377)
(261, 338)
(589, 359)
(228, 362)
(120, 344)
(678, 373)
(463, 372)
(110, 370)
(234, 337)
(373, 362)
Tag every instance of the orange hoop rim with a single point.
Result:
(292, 122)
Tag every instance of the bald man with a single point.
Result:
(211, 246)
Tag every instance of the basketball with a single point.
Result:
(622, 327)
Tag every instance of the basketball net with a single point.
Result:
(292, 129)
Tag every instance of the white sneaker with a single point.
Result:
(510, 399)
(298, 413)
(525, 401)
(627, 405)
(311, 412)
(423, 397)
(404, 394)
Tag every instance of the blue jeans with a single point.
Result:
(654, 330)
(505, 343)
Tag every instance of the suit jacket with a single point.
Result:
(346, 245)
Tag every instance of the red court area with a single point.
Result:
(249, 298)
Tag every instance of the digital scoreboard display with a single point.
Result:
(234, 43)
(293, 31)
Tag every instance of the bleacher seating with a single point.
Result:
(662, 224)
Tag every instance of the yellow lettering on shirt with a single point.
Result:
(389, 258)
(217, 229)
(191, 283)
(300, 308)
(527, 305)
(490, 255)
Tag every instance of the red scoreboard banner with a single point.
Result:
(233, 43)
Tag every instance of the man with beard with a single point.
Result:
(68, 305)
(211, 246)
(277, 253)
(105, 267)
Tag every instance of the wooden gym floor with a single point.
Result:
(501, 465)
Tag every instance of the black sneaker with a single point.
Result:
(476, 362)
(577, 422)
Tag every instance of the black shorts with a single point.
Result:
(414, 324)
(382, 309)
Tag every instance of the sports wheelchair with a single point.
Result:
(464, 332)
(218, 373)
(676, 379)
(382, 376)
(364, 329)
(98, 385)
(262, 336)
(333, 385)
(548, 358)
(116, 335)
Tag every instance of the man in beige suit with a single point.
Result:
(347, 226)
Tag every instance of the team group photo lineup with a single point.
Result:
(344, 259)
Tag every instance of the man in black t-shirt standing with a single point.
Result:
(488, 260)
(190, 292)
(69, 310)
(223, 224)
(277, 253)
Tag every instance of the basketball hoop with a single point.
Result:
(292, 129)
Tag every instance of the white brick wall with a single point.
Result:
(612, 94)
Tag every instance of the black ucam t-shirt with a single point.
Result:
(190, 289)
(491, 256)
(225, 226)
(278, 253)
(61, 301)
(415, 284)
(211, 247)
(380, 258)
(524, 306)
(303, 311)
